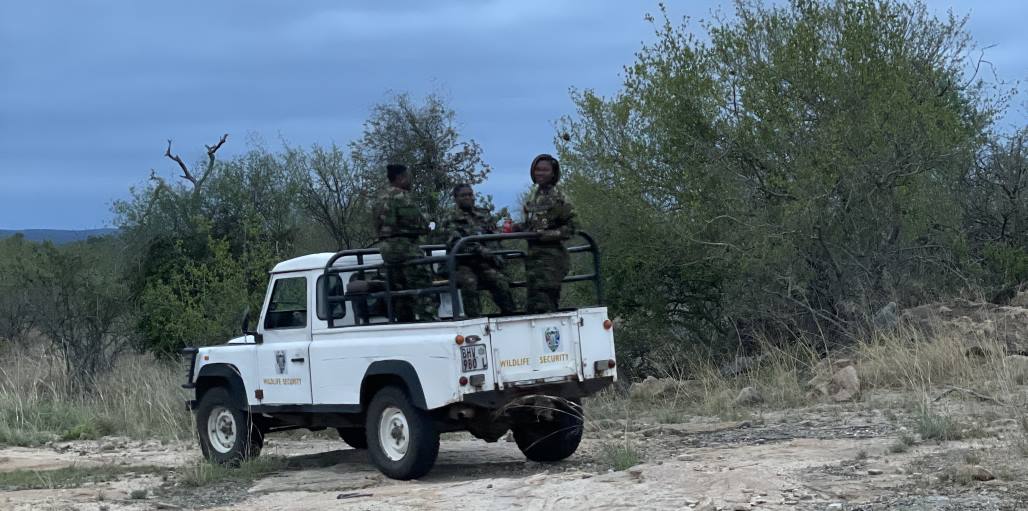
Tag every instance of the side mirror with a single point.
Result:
(246, 321)
(246, 327)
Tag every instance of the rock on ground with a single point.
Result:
(837, 380)
(981, 326)
(1017, 368)
(887, 317)
(846, 384)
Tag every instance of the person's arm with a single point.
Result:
(561, 224)
(442, 234)
(385, 218)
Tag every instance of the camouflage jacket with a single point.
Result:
(397, 215)
(547, 209)
(459, 223)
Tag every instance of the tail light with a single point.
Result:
(608, 324)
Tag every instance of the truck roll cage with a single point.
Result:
(450, 260)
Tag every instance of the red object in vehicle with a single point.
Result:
(508, 226)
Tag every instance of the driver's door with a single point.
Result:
(283, 364)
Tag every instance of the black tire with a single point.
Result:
(551, 440)
(245, 440)
(354, 437)
(419, 437)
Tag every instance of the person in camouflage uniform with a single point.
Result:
(399, 224)
(483, 271)
(548, 212)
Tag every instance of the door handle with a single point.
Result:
(298, 360)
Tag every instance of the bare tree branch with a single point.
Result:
(188, 176)
(211, 158)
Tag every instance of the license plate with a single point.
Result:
(474, 358)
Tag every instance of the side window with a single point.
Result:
(288, 305)
(335, 288)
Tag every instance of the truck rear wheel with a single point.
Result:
(403, 442)
(551, 440)
(227, 434)
(354, 437)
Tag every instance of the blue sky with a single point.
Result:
(90, 90)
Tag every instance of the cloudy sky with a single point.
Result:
(90, 90)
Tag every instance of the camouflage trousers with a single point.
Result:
(395, 252)
(546, 266)
(479, 275)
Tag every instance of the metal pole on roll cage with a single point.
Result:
(455, 252)
(597, 280)
(451, 264)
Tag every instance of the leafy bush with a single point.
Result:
(791, 175)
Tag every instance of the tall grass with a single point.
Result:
(140, 398)
(916, 365)
(697, 386)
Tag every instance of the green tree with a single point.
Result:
(996, 202)
(85, 311)
(789, 176)
(425, 138)
(333, 193)
(20, 292)
(205, 244)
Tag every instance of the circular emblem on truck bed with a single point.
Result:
(553, 338)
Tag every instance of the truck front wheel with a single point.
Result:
(554, 439)
(227, 434)
(403, 442)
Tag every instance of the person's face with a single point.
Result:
(402, 181)
(465, 198)
(542, 173)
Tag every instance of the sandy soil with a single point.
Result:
(836, 457)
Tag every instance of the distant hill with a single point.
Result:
(57, 236)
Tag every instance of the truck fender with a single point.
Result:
(222, 375)
(385, 371)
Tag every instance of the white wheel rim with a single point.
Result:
(393, 433)
(221, 429)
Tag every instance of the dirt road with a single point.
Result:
(838, 457)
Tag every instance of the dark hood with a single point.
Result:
(556, 167)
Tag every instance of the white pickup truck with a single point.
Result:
(329, 355)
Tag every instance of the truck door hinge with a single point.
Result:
(581, 321)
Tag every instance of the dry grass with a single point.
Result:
(905, 361)
(203, 473)
(908, 359)
(141, 398)
(698, 388)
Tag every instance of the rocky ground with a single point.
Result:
(861, 455)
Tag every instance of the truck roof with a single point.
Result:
(318, 261)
